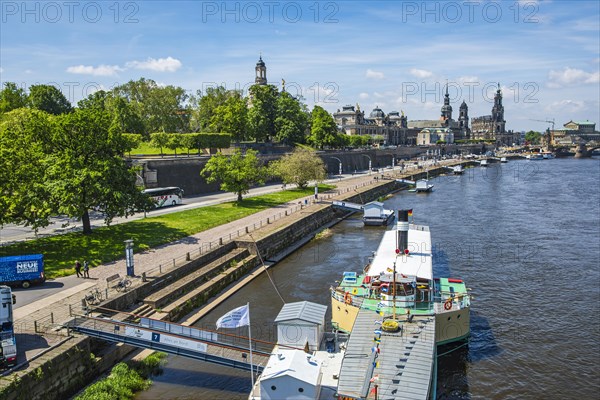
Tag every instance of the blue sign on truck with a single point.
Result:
(22, 270)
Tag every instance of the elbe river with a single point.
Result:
(525, 236)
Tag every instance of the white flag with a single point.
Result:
(235, 318)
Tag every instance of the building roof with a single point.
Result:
(303, 310)
(418, 263)
(294, 363)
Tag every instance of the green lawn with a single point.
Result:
(106, 244)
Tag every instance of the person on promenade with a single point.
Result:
(86, 269)
(78, 269)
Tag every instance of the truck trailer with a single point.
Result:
(22, 271)
(8, 344)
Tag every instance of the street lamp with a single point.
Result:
(129, 257)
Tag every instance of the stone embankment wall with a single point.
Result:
(185, 172)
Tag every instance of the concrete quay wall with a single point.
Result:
(185, 171)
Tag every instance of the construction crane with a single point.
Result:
(551, 133)
(545, 120)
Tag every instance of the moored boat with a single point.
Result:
(399, 281)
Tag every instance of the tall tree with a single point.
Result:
(236, 173)
(24, 196)
(160, 140)
(86, 169)
(262, 112)
(323, 128)
(163, 109)
(231, 116)
(300, 167)
(122, 112)
(291, 122)
(12, 97)
(205, 106)
(48, 98)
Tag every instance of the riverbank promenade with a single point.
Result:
(36, 323)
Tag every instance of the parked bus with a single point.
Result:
(8, 344)
(167, 196)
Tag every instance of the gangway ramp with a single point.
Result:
(346, 205)
(217, 348)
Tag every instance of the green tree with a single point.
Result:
(160, 140)
(533, 137)
(231, 116)
(48, 98)
(175, 141)
(162, 109)
(300, 167)
(323, 130)
(189, 142)
(133, 140)
(124, 116)
(291, 122)
(206, 104)
(24, 196)
(86, 169)
(262, 112)
(12, 97)
(236, 173)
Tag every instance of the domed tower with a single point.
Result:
(498, 112)
(378, 115)
(446, 108)
(261, 72)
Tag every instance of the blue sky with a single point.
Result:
(394, 54)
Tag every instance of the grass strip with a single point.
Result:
(125, 379)
(105, 244)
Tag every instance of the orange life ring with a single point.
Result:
(448, 304)
(347, 298)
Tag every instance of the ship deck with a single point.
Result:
(402, 367)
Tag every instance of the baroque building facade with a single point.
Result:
(392, 127)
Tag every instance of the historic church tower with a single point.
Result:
(463, 117)
(261, 72)
(498, 113)
(447, 108)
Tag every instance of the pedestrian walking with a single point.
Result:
(78, 269)
(86, 269)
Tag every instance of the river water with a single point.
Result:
(525, 236)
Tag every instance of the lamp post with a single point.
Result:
(129, 257)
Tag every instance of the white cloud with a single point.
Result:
(571, 76)
(467, 79)
(374, 74)
(570, 106)
(1, 70)
(363, 96)
(28, 71)
(101, 70)
(168, 64)
(421, 73)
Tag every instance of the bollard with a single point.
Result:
(173, 263)
(187, 257)
(220, 241)
(247, 230)
(144, 277)
(52, 317)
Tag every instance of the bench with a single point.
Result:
(111, 280)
